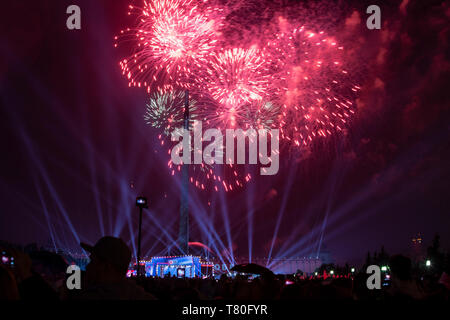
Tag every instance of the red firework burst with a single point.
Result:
(237, 76)
(236, 79)
(318, 93)
(172, 42)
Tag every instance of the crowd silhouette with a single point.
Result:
(41, 275)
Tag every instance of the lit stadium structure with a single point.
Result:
(188, 266)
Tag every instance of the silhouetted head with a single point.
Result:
(8, 285)
(400, 267)
(110, 258)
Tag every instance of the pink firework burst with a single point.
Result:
(172, 41)
(236, 78)
(318, 92)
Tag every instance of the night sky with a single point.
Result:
(76, 150)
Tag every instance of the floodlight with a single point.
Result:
(141, 202)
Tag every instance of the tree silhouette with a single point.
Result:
(435, 255)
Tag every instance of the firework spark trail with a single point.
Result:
(316, 90)
(261, 114)
(226, 177)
